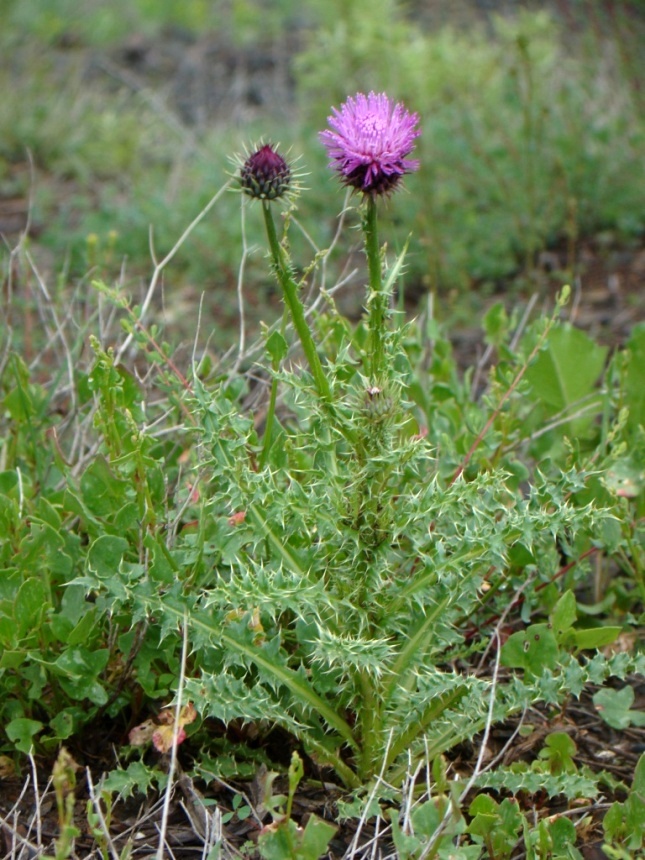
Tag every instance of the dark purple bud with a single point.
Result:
(265, 174)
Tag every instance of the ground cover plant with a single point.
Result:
(349, 547)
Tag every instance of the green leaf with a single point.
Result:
(407, 846)
(12, 659)
(497, 824)
(533, 650)
(483, 823)
(638, 785)
(316, 837)
(160, 569)
(564, 615)
(563, 835)
(394, 272)
(83, 630)
(136, 777)
(102, 492)
(559, 751)
(626, 477)
(495, 323)
(81, 662)
(8, 482)
(22, 731)
(635, 820)
(427, 817)
(624, 823)
(297, 685)
(78, 669)
(566, 370)
(105, 555)
(614, 821)
(596, 637)
(614, 707)
(8, 637)
(66, 722)
(634, 386)
(31, 601)
(277, 842)
(277, 347)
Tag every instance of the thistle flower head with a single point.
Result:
(265, 174)
(368, 141)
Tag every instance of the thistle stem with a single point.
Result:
(370, 724)
(268, 427)
(377, 300)
(290, 292)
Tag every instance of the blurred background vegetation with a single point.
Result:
(118, 116)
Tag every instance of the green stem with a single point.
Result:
(378, 299)
(290, 292)
(268, 426)
(370, 725)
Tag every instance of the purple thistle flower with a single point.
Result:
(369, 143)
(265, 174)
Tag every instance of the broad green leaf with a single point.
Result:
(102, 492)
(8, 632)
(504, 838)
(105, 555)
(483, 823)
(559, 751)
(564, 615)
(407, 846)
(276, 346)
(626, 478)
(614, 821)
(614, 706)
(12, 659)
(82, 633)
(426, 818)
(31, 601)
(638, 785)
(48, 513)
(81, 661)
(563, 833)
(161, 567)
(566, 370)
(22, 731)
(635, 378)
(65, 723)
(278, 842)
(316, 837)
(495, 323)
(596, 637)
(532, 649)
(8, 482)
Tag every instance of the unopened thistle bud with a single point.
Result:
(379, 406)
(265, 175)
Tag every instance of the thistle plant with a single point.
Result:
(342, 572)
(334, 581)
